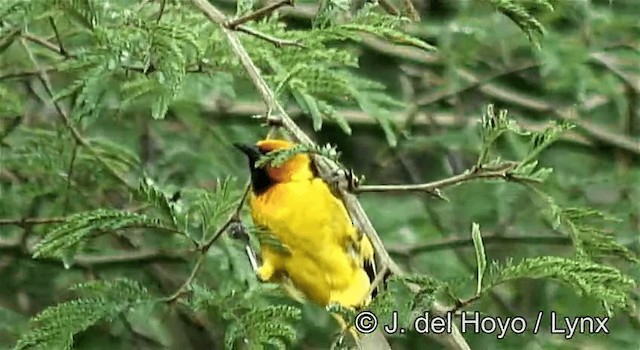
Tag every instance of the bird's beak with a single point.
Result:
(251, 151)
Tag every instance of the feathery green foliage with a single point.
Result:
(601, 282)
(55, 327)
(520, 12)
(248, 324)
(78, 226)
(264, 237)
(278, 157)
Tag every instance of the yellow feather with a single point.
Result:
(326, 254)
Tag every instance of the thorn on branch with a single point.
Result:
(257, 14)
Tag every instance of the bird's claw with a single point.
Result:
(343, 179)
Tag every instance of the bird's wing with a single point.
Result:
(355, 243)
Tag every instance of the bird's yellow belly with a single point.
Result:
(313, 231)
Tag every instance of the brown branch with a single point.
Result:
(467, 242)
(232, 24)
(219, 108)
(431, 98)
(31, 221)
(566, 113)
(46, 44)
(499, 171)
(90, 261)
(326, 169)
(610, 63)
(460, 304)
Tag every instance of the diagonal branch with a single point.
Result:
(455, 340)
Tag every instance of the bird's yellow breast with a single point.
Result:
(315, 227)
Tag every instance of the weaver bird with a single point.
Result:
(326, 259)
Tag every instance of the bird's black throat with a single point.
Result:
(260, 180)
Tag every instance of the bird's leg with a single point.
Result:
(337, 181)
(344, 327)
(343, 179)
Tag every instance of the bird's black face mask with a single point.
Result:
(260, 180)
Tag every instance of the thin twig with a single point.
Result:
(610, 63)
(185, 285)
(163, 3)
(46, 44)
(232, 24)
(431, 98)
(411, 10)
(378, 280)
(455, 340)
(501, 171)
(61, 49)
(275, 41)
(463, 242)
(460, 304)
(204, 248)
(72, 162)
(67, 121)
(389, 7)
(88, 261)
(31, 221)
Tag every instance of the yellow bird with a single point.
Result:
(326, 259)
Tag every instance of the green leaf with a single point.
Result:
(492, 127)
(312, 109)
(212, 208)
(77, 227)
(522, 16)
(279, 157)
(541, 140)
(481, 258)
(267, 239)
(148, 191)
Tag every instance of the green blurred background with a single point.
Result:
(584, 69)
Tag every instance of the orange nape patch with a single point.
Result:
(273, 145)
(296, 168)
